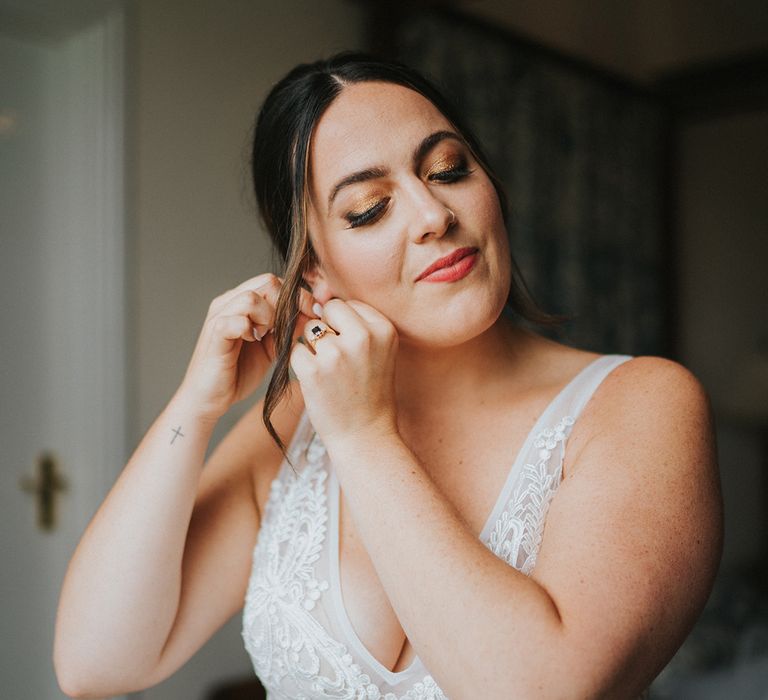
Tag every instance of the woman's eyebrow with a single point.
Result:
(429, 143)
(373, 173)
(360, 176)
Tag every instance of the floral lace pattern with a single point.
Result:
(293, 654)
(516, 535)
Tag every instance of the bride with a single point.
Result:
(442, 502)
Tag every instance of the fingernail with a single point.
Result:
(256, 333)
(317, 309)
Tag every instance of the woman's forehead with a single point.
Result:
(370, 122)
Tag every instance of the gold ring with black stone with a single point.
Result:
(318, 332)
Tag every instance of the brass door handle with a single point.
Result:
(45, 485)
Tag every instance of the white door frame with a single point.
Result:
(86, 141)
(87, 265)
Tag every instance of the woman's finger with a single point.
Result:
(355, 319)
(272, 287)
(259, 282)
(341, 316)
(306, 303)
(315, 330)
(227, 330)
(253, 305)
(368, 313)
(268, 285)
(300, 360)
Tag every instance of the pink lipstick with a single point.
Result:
(451, 267)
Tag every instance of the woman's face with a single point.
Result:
(386, 171)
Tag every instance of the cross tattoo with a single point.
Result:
(178, 432)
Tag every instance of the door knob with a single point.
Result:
(45, 485)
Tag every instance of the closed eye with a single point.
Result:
(450, 175)
(372, 214)
(368, 216)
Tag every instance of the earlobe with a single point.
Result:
(318, 284)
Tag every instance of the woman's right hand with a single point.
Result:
(236, 346)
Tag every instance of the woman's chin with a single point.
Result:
(451, 327)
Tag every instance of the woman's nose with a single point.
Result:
(430, 216)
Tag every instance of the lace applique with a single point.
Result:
(293, 655)
(426, 689)
(517, 532)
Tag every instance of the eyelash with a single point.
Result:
(368, 215)
(444, 177)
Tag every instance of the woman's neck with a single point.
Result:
(429, 379)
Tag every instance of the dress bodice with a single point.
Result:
(295, 627)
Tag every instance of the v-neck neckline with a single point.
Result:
(395, 677)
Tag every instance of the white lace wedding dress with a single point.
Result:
(295, 627)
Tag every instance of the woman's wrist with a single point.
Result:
(370, 438)
(186, 406)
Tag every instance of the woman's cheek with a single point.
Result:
(366, 273)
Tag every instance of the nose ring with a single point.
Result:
(452, 220)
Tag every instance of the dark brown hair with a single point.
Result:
(279, 165)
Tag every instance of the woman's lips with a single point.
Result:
(451, 267)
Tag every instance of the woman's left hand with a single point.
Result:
(348, 382)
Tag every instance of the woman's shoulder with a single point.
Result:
(646, 394)
(648, 376)
(642, 495)
(656, 396)
(642, 389)
(653, 368)
(650, 388)
(637, 385)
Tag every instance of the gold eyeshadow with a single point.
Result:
(364, 204)
(447, 167)
(448, 161)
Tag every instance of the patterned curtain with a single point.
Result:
(582, 160)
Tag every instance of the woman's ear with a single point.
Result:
(315, 278)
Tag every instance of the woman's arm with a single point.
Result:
(630, 549)
(165, 561)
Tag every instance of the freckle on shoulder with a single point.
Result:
(648, 394)
(645, 388)
(658, 378)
